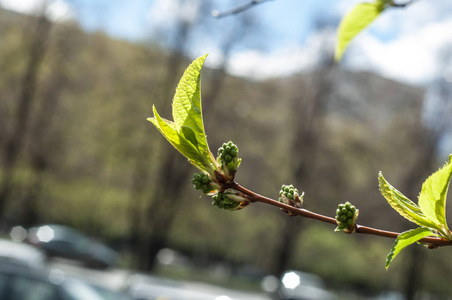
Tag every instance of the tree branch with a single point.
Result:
(433, 242)
(217, 14)
(392, 3)
(237, 10)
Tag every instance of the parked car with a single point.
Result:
(20, 253)
(22, 282)
(147, 287)
(66, 242)
(297, 285)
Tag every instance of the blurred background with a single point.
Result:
(78, 80)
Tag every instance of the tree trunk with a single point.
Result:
(16, 137)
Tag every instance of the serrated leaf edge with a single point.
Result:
(414, 235)
(438, 197)
(404, 206)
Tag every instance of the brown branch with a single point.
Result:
(432, 242)
(236, 10)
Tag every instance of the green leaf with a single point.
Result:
(405, 239)
(404, 206)
(432, 199)
(190, 135)
(187, 110)
(169, 131)
(354, 22)
(186, 132)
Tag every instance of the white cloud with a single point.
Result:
(164, 12)
(60, 10)
(258, 65)
(55, 10)
(284, 61)
(414, 57)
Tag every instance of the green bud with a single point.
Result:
(227, 201)
(203, 182)
(290, 195)
(346, 215)
(228, 157)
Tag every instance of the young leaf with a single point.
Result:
(404, 206)
(405, 239)
(187, 109)
(168, 130)
(186, 133)
(432, 199)
(354, 22)
(189, 135)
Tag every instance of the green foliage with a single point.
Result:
(186, 133)
(346, 215)
(430, 214)
(400, 203)
(405, 239)
(432, 199)
(354, 22)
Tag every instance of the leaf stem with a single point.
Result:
(432, 242)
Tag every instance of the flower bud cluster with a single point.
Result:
(228, 157)
(346, 215)
(225, 201)
(290, 195)
(203, 182)
(216, 183)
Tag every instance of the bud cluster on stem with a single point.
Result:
(229, 195)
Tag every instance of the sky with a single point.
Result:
(409, 45)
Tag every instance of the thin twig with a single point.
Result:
(433, 242)
(236, 10)
(393, 4)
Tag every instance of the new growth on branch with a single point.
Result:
(216, 178)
